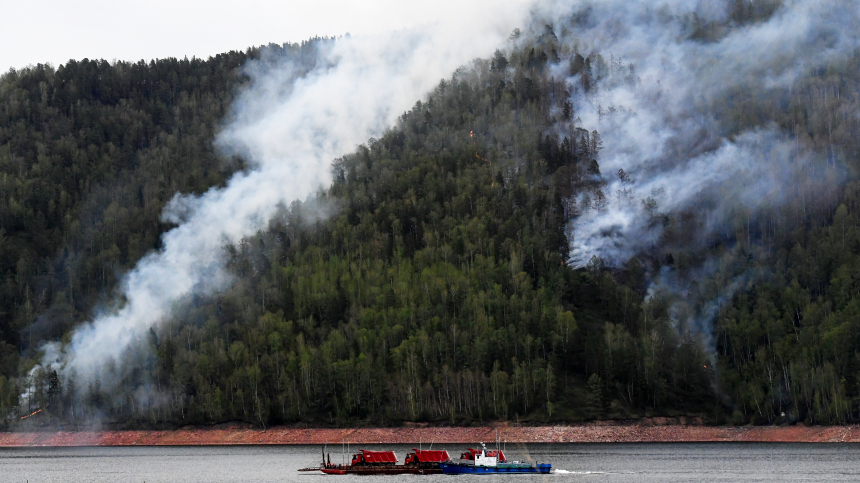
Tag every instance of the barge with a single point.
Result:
(418, 462)
(428, 462)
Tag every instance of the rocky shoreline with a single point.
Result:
(585, 433)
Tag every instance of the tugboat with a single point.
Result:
(418, 462)
(486, 462)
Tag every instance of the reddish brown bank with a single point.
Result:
(586, 433)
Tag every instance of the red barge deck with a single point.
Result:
(418, 462)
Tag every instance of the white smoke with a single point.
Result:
(289, 130)
(661, 121)
(660, 129)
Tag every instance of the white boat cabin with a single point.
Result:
(483, 457)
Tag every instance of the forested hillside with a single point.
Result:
(90, 153)
(432, 281)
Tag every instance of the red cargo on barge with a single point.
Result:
(427, 460)
(418, 462)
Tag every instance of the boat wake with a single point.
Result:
(567, 472)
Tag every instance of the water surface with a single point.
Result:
(624, 462)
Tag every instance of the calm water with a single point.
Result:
(710, 462)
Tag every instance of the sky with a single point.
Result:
(54, 31)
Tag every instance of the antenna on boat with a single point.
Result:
(325, 447)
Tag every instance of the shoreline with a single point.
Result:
(584, 433)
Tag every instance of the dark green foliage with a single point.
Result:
(785, 340)
(89, 155)
(788, 346)
(437, 289)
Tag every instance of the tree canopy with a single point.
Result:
(436, 286)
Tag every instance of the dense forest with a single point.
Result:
(438, 287)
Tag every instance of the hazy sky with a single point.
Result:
(39, 31)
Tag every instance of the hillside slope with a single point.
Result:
(434, 279)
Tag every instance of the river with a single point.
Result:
(623, 462)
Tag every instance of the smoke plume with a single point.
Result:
(659, 103)
(289, 125)
(660, 106)
(665, 98)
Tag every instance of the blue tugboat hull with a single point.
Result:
(458, 469)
